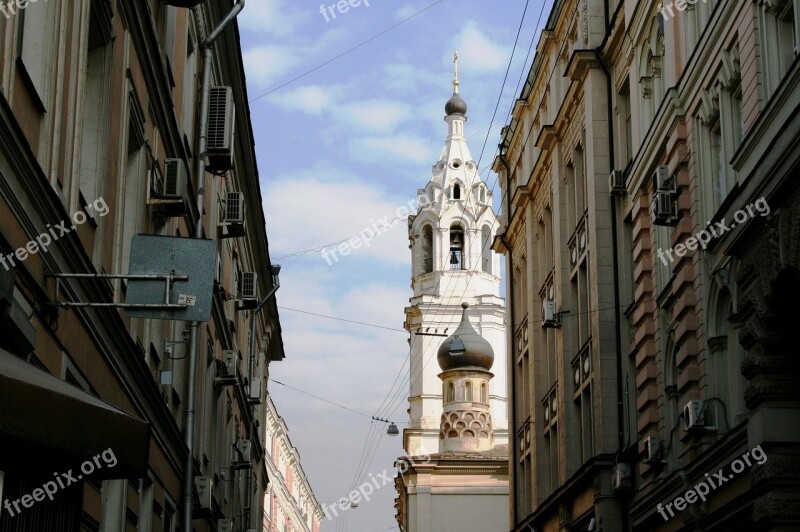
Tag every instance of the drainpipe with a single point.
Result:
(275, 269)
(614, 249)
(194, 338)
(512, 440)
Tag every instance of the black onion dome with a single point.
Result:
(455, 106)
(465, 348)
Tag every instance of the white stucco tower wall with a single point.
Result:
(452, 263)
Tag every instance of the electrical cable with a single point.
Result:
(354, 48)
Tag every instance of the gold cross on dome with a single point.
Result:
(455, 80)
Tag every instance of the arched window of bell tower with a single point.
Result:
(427, 249)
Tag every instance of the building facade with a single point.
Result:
(99, 104)
(649, 223)
(289, 504)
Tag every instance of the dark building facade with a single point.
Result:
(99, 128)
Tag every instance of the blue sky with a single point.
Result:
(339, 150)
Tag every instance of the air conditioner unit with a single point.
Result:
(665, 208)
(652, 450)
(254, 391)
(155, 185)
(165, 377)
(174, 179)
(219, 148)
(550, 317)
(662, 180)
(204, 486)
(697, 416)
(231, 358)
(232, 223)
(621, 478)
(224, 525)
(616, 183)
(227, 370)
(244, 448)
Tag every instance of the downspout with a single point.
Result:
(200, 173)
(512, 440)
(614, 251)
(276, 283)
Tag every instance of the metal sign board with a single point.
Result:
(162, 255)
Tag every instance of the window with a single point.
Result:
(468, 391)
(728, 384)
(451, 393)
(624, 127)
(34, 46)
(483, 195)
(484, 393)
(486, 249)
(456, 247)
(779, 35)
(427, 249)
(135, 174)
(169, 515)
(718, 166)
(456, 191)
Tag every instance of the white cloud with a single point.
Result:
(405, 11)
(265, 65)
(478, 54)
(308, 211)
(394, 150)
(311, 99)
(272, 17)
(379, 116)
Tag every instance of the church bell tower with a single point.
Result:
(452, 263)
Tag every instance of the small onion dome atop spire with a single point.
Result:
(465, 348)
(456, 104)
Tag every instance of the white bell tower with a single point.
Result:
(452, 263)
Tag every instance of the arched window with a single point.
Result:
(456, 191)
(486, 249)
(484, 393)
(456, 247)
(427, 249)
(468, 391)
(483, 195)
(671, 404)
(450, 396)
(728, 383)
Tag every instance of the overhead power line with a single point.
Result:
(354, 48)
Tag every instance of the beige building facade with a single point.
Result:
(649, 200)
(99, 113)
(289, 504)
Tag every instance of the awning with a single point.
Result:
(46, 423)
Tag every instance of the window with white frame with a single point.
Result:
(780, 38)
